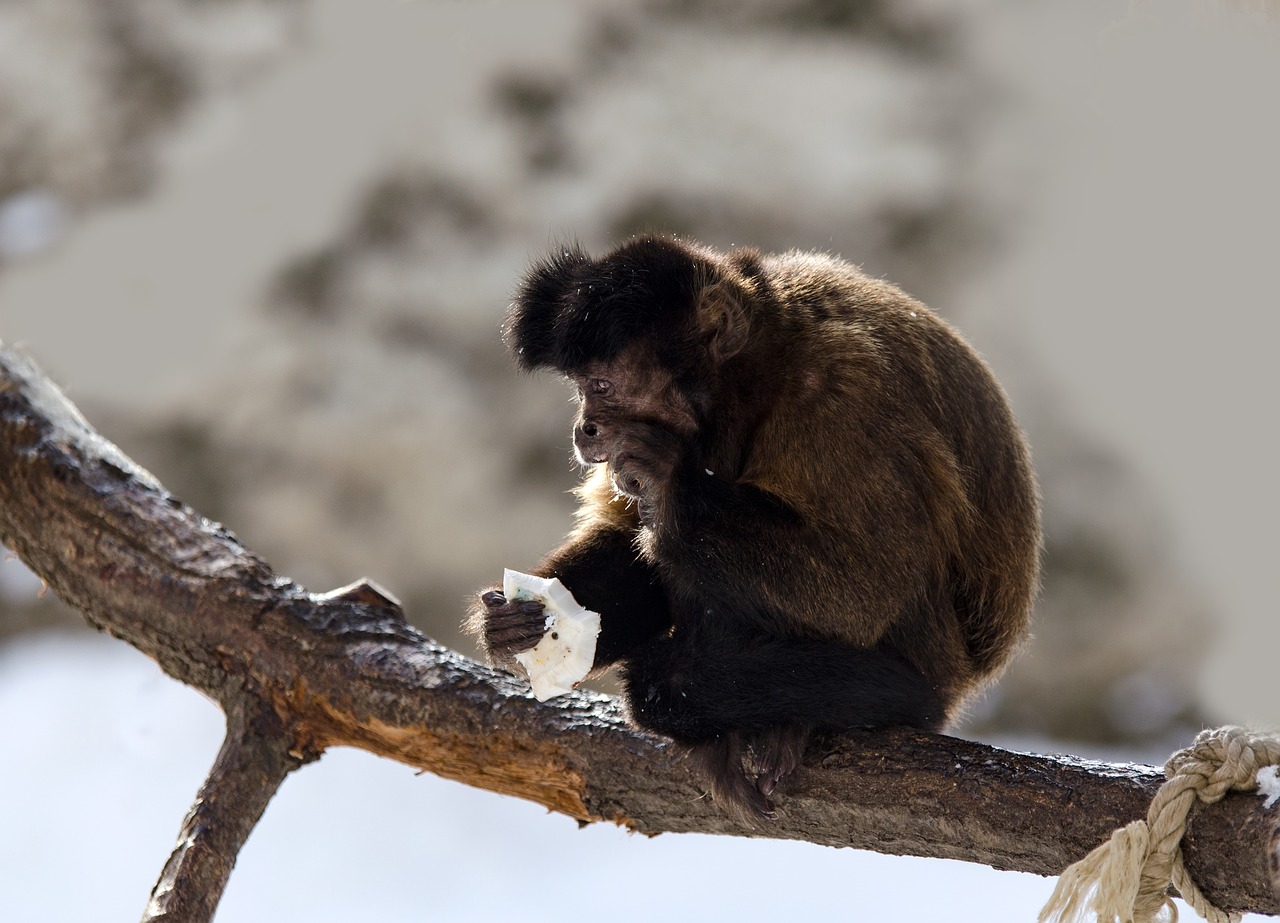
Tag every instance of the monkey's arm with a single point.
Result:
(600, 566)
(605, 573)
(775, 562)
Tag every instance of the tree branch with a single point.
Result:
(252, 763)
(297, 672)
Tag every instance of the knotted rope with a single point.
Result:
(1126, 879)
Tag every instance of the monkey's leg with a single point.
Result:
(697, 683)
(721, 693)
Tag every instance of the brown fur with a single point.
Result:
(785, 454)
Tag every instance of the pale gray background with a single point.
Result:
(265, 245)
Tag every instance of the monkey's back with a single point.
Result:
(937, 496)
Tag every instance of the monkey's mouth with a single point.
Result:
(626, 485)
(587, 458)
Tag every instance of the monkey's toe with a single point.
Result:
(777, 754)
(745, 800)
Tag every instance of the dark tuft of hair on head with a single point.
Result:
(530, 325)
(571, 309)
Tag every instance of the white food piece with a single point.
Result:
(564, 656)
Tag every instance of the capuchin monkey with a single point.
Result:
(807, 508)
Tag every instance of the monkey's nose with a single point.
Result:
(586, 445)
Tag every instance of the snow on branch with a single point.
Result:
(297, 672)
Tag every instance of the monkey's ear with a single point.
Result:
(723, 321)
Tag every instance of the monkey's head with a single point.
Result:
(643, 332)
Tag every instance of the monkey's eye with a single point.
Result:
(601, 387)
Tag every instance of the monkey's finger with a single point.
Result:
(493, 598)
(512, 642)
(515, 614)
(515, 634)
(512, 616)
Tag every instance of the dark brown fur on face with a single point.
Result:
(809, 507)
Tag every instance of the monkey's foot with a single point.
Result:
(777, 753)
(719, 762)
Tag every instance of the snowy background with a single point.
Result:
(264, 244)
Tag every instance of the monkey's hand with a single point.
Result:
(644, 470)
(508, 628)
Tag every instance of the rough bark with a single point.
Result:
(252, 763)
(298, 672)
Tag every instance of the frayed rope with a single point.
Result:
(1126, 879)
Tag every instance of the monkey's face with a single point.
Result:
(634, 418)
